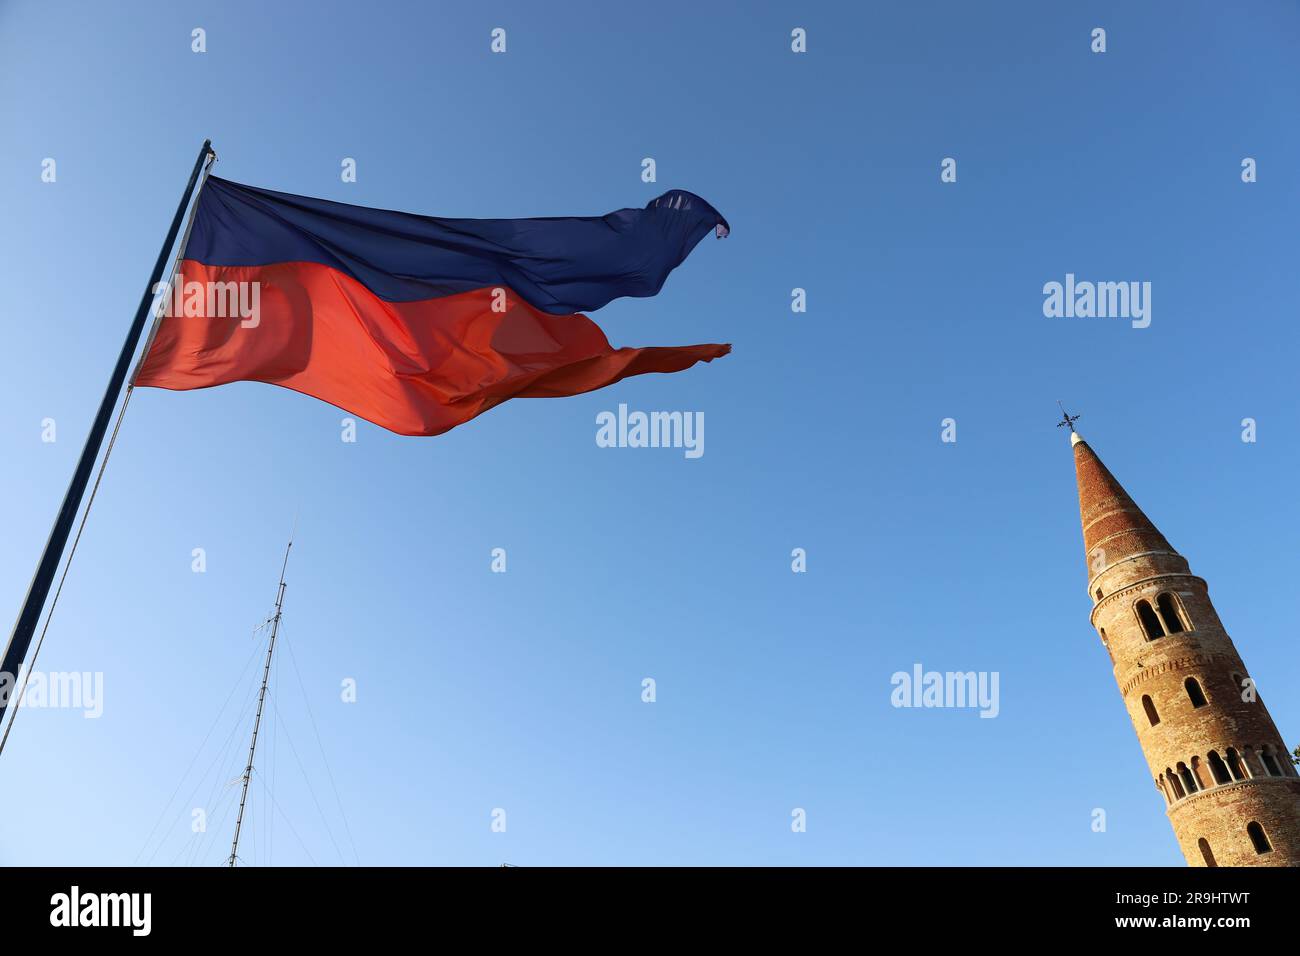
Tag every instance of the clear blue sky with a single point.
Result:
(522, 690)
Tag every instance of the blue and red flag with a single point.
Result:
(414, 322)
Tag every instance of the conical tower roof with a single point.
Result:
(1114, 528)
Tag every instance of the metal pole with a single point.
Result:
(29, 616)
(261, 699)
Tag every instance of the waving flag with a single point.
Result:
(414, 322)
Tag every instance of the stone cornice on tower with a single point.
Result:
(1187, 662)
(1224, 789)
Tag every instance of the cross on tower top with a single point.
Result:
(1067, 420)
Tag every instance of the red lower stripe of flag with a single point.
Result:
(416, 368)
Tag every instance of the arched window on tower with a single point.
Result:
(1175, 784)
(1150, 708)
(1189, 782)
(1219, 768)
(1206, 853)
(1270, 761)
(1170, 608)
(1150, 623)
(1235, 765)
(1258, 838)
(1194, 692)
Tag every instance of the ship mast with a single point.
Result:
(261, 700)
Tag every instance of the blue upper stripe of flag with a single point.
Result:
(559, 265)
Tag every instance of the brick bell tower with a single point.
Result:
(1223, 770)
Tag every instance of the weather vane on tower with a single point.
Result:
(1067, 420)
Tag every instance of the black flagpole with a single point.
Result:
(30, 615)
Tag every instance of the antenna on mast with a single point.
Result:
(261, 700)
